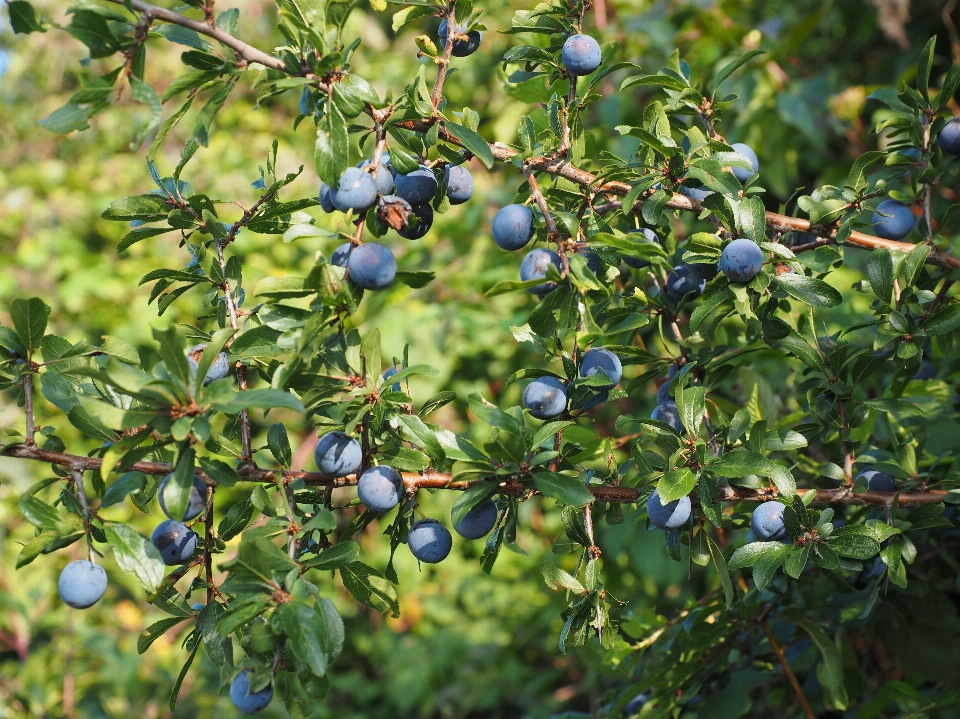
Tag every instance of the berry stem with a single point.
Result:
(31, 428)
(82, 497)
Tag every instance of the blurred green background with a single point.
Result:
(466, 644)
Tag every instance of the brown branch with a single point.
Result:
(553, 234)
(246, 52)
(444, 63)
(791, 677)
(431, 479)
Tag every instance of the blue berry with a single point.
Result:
(243, 699)
(382, 178)
(545, 397)
(682, 282)
(767, 522)
(357, 191)
(429, 541)
(513, 227)
(580, 54)
(338, 454)
(534, 267)
(949, 137)
(341, 255)
(740, 173)
(651, 236)
(218, 368)
(326, 198)
(478, 521)
(599, 358)
(668, 412)
(878, 481)
(893, 220)
(176, 541)
(380, 488)
(672, 515)
(196, 503)
(419, 222)
(461, 48)
(418, 186)
(372, 266)
(459, 183)
(82, 583)
(741, 260)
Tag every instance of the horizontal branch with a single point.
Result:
(248, 52)
(431, 479)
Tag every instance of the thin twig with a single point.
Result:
(31, 428)
(207, 543)
(82, 497)
(553, 234)
(791, 677)
(444, 64)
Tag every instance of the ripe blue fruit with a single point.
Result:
(767, 522)
(704, 272)
(243, 699)
(338, 454)
(380, 488)
(663, 393)
(949, 137)
(419, 222)
(382, 178)
(418, 186)
(534, 267)
(545, 397)
(682, 282)
(461, 48)
(926, 371)
(176, 541)
(600, 358)
(673, 515)
(668, 412)
(82, 583)
(390, 373)
(513, 227)
(372, 266)
(695, 193)
(429, 541)
(741, 260)
(580, 54)
(478, 521)
(743, 174)
(459, 184)
(651, 236)
(196, 503)
(326, 198)
(218, 369)
(878, 481)
(341, 255)
(357, 191)
(893, 220)
(636, 704)
(592, 259)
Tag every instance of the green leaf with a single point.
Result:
(472, 141)
(279, 444)
(675, 484)
(809, 355)
(731, 68)
(23, 18)
(332, 148)
(943, 321)
(68, 118)
(741, 463)
(155, 631)
(556, 578)
(924, 64)
(830, 671)
(856, 176)
(880, 272)
(809, 290)
(304, 628)
(261, 398)
(369, 587)
(30, 320)
(854, 541)
(339, 555)
(176, 492)
(722, 570)
(563, 488)
(893, 405)
(136, 555)
(470, 499)
(38, 513)
(750, 554)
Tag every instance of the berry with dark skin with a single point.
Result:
(372, 266)
(380, 488)
(600, 358)
(418, 186)
(682, 282)
(580, 54)
(534, 267)
(695, 193)
(326, 198)
(741, 173)
(176, 541)
(218, 369)
(82, 584)
(513, 227)
(478, 521)
(651, 236)
(704, 271)
(671, 515)
(878, 481)
(196, 503)
(390, 373)
(668, 413)
(545, 397)
(593, 260)
(357, 191)
(429, 541)
(741, 260)
(926, 371)
(893, 220)
(246, 701)
(663, 393)
(341, 255)
(338, 454)
(767, 522)
(382, 178)
(419, 222)
(459, 183)
(461, 47)
(949, 137)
